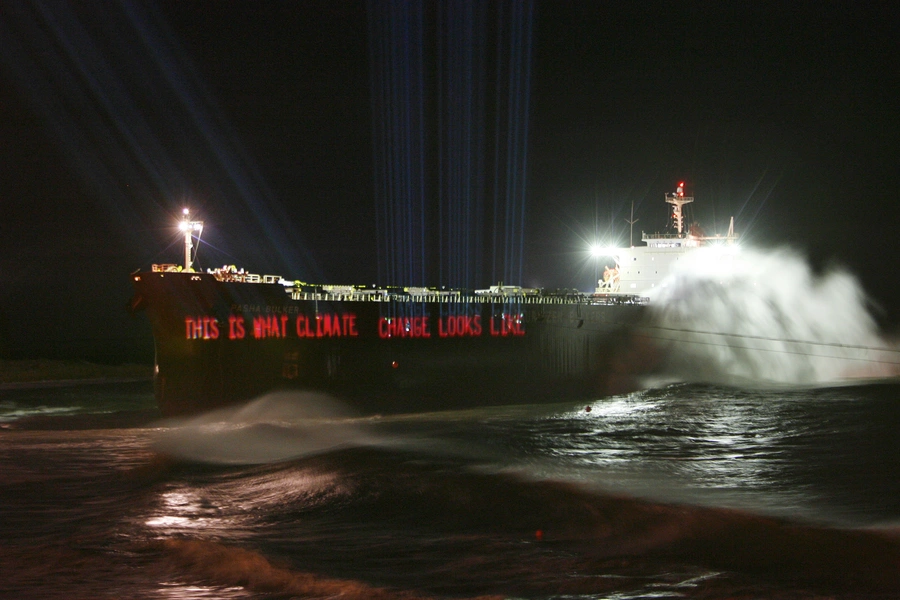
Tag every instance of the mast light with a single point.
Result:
(188, 227)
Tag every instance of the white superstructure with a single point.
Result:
(641, 270)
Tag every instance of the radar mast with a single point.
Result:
(678, 200)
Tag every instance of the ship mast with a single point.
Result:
(678, 199)
(188, 228)
(631, 222)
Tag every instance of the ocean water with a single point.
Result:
(678, 491)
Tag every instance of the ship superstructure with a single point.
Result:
(641, 270)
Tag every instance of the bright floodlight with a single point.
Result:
(185, 211)
(598, 250)
(184, 225)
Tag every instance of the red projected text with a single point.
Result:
(332, 325)
(270, 326)
(409, 327)
(507, 325)
(235, 327)
(463, 326)
(201, 328)
(327, 325)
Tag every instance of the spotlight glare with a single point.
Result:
(598, 250)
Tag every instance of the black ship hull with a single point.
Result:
(221, 342)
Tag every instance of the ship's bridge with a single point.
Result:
(642, 270)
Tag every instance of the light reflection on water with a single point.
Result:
(239, 504)
(779, 453)
(180, 591)
(379, 511)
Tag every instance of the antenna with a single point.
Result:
(631, 222)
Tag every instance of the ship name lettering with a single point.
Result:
(283, 309)
(245, 308)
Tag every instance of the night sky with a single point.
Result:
(259, 116)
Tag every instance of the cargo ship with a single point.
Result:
(225, 336)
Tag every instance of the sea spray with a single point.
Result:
(289, 425)
(760, 317)
(275, 427)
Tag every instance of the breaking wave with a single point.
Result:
(765, 318)
(275, 427)
(512, 526)
(233, 566)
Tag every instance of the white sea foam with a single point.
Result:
(765, 318)
(276, 427)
